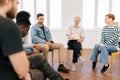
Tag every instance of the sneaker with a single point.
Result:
(105, 68)
(94, 65)
(62, 68)
(81, 59)
(73, 67)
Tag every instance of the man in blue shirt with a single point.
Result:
(41, 35)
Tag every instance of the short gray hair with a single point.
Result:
(77, 17)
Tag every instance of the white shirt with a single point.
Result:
(76, 32)
(27, 41)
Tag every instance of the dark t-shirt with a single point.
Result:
(10, 43)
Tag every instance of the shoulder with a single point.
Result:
(35, 26)
(8, 25)
(105, 27)
(25, 36)
(45, 27)
(81, 28)
(6, 22)
(70, 27)
(116, 28)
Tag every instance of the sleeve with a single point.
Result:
(35, 38)
(27, 39)
(27, 45)
(11, 41)
(49, 34)
(113, 36)
(69, 31)
(82, 34)
(27, 42)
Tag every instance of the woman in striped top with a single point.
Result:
(109, 43)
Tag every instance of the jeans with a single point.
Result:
(104, 53)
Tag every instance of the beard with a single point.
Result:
(11, 13)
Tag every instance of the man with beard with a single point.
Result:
(14, 64)
(42, 35)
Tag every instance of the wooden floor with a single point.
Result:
(84, 71)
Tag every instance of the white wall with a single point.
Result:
(70, 9)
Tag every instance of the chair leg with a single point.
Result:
(67, 55)
(52, 58)
(111, 62)
(119, 62)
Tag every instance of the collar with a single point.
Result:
(40, 26)
(76, 26)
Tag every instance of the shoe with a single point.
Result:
(105, 68)
(81, 59)
(62, 68)
(73, 67)
(94, 65)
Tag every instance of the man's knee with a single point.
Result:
(61, 45)
(45, 47)
(36, 74)
(36, 58)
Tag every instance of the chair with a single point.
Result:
(112, 58)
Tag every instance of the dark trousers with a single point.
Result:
(39, 70)
(39, 63)
(76, 47)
